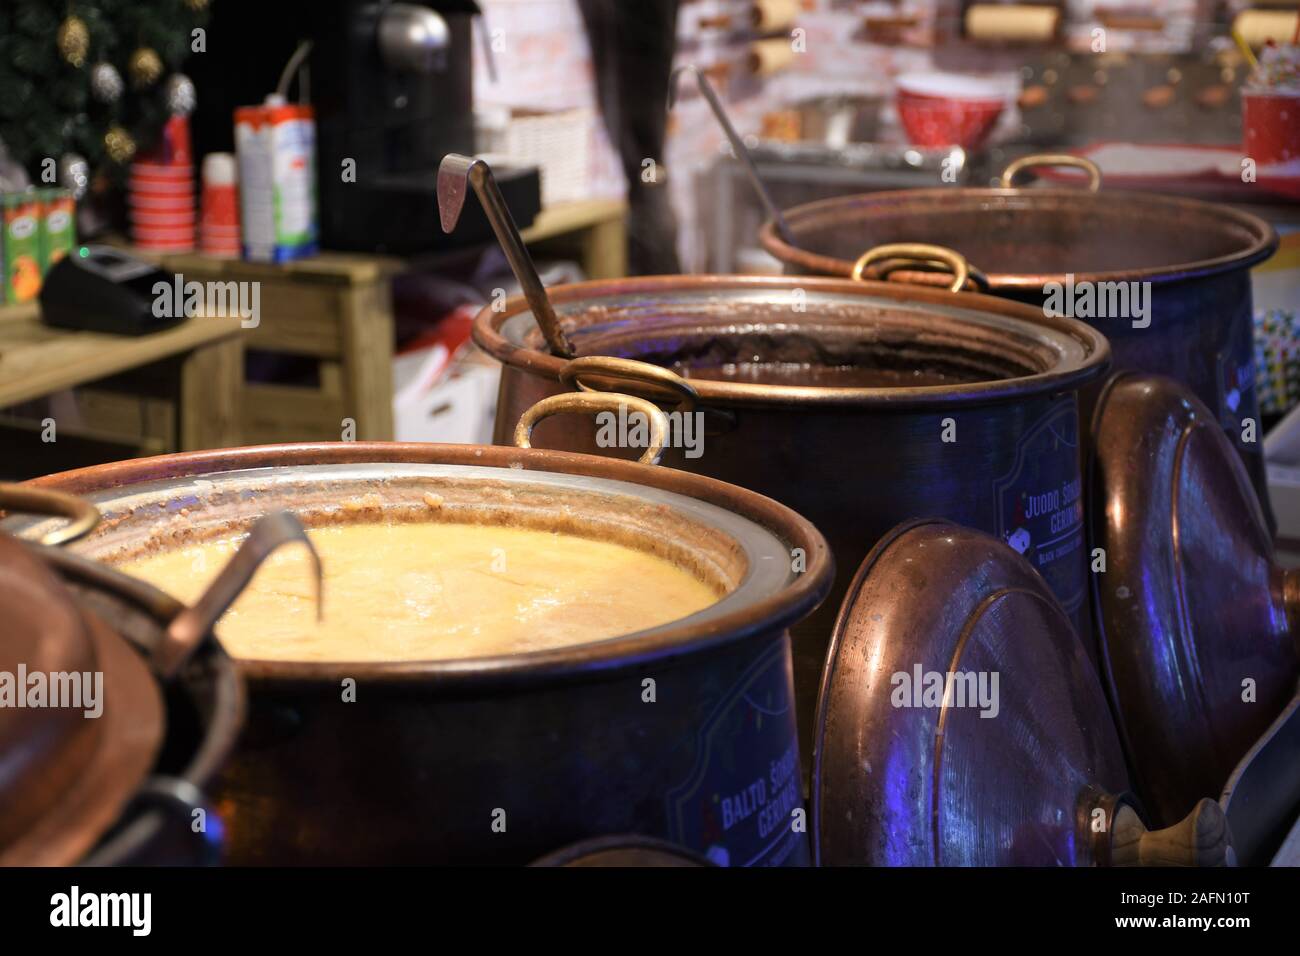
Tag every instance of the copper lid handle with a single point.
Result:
(82, 515)
(1201, 838)
(1052, 159)
(629, 370)
(915, 253)
(597, 402)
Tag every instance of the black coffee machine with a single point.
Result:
(392, 88)
(397, 96)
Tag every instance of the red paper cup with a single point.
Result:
(161, 234)
(179, 187)
(1272, 126)
(168, 202)
(165, 171)
(1270, 120)
(173, 147)
(165, 246)
(162, 220)
(220, 205)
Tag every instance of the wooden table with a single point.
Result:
(184, 381)
(596, 230)
(332, 311)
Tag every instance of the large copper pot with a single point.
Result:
(1195, 255)
(552, 746)
(838, 399)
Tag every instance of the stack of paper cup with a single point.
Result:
(219, 207)
(161, 193)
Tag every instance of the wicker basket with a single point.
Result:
(559, 143)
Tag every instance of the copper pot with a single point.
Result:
(561, 740)
(1195, 255)
(837, 398)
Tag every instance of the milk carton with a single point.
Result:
(276, 146)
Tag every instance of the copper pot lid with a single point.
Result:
(1018, 765)
(67, 771)
(1196, 624)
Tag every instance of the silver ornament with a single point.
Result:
(73, 173)
(181, 96)
(13, 178)
(106, 84)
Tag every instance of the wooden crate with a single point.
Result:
(333, 309)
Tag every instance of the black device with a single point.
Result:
(391, 85)
(393, 89)
(102, 289)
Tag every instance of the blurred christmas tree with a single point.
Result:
(92, 79)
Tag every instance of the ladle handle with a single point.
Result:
(81, 514)
(597, 402)
(454, 173)
(1017, 166)
(737, 144)
(654, 378)
(903, 254)
(191, 626)
(1201, 838)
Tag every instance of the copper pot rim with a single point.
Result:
(575, 663)
(1068, 375)
(1264, 245)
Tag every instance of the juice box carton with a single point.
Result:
(22, 246)
(276, 146)
(58, 226)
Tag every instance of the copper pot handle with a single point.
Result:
(629, 370)
(1017, 166)
(81, 514)
(1201, 838)
(909, 253)
(597, 402)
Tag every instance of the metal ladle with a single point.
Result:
(189, 628)
(737, 144)
(455, 173)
